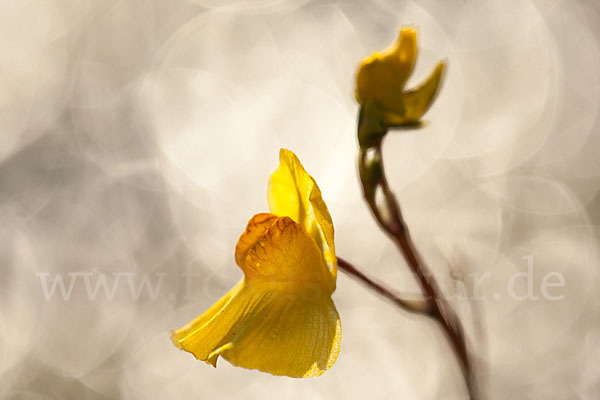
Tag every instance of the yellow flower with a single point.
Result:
(280, 317)
(381, 78)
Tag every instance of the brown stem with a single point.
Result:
(417, 307)
(392, 222)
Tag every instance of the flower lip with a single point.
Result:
(278, 250)
(294, 193)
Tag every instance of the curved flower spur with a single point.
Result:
(280, 317)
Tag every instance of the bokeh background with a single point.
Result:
(137, 137)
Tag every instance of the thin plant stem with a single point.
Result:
(391, 221)
(413, 306)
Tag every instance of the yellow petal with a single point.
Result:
(404, 53)
(382, 76)
(187, 337)
(418, 100)
(296, 335)
(280, 318)
(294, 193)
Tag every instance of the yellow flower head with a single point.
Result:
(280, 317)
(381, 78)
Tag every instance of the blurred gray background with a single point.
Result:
(137, 137)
